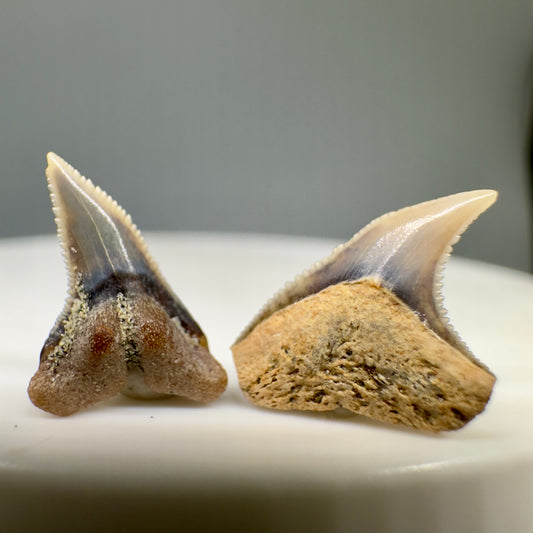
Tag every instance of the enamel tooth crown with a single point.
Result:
(122, 328)
(365, 328)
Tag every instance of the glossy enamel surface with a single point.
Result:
(403, 250)
(103, 249)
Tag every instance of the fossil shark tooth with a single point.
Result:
(122, 328)
(365, 328)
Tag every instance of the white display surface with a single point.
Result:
(127, 465)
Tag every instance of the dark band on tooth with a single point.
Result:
(126, 283)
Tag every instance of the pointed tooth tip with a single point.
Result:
(462, 206)
(484, 197)
(52, 157)
(55, 162)
(58, 169)
(488, 194)
(475, 202)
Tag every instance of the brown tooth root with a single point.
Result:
(147, 355)
(356, 345)
(365, 328)
(122, 328)
(179, 365)
(90, 368)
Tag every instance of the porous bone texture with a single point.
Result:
(358, 346)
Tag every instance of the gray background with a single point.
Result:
(303, 117)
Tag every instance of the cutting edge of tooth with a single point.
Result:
(104, 199)
(439, 268)
(281, 298)
(438, 284)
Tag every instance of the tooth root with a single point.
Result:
(179, 366)
(356, 345)
(87, 367)
(105, 340)
(128, 345)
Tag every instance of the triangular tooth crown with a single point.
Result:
(97, 235)
(404, 250)
(100, 241)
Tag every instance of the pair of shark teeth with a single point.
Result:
(363, 329)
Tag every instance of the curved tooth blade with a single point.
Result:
(101, 243)
(405, 251)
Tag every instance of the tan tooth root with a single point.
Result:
(356, 345)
